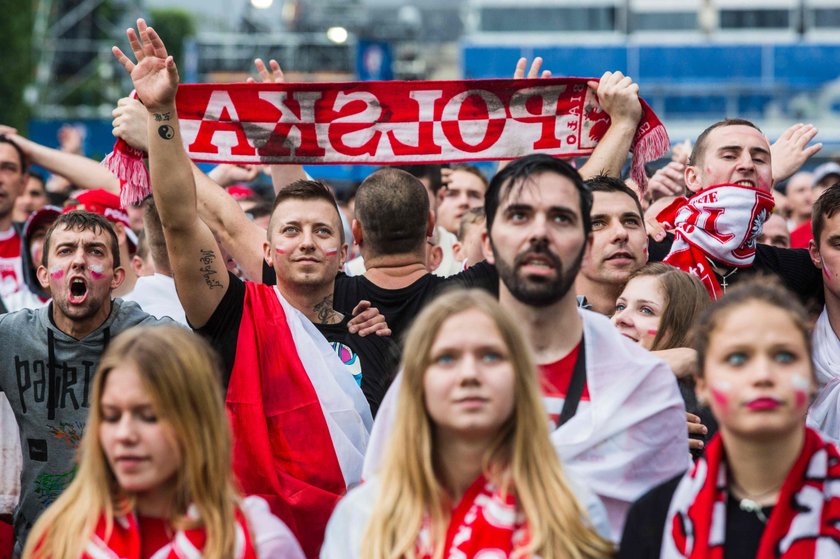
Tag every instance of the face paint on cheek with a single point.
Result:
(652, 332)
(720, 394)
(56, 273)
(801, 386)
(97, 271)
(330, 251)
(826, 271)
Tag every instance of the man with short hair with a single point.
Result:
(13, 176)
(50, 354)
(464, 191)
(775, 232)
(823, 177)
(34, 197)
(618, 247)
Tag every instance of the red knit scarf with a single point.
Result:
(484, 524)
(803, 523)
(720, 223)
(125, 540)
(397, 123)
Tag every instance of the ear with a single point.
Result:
(814, 253)
(457, 247)
(43, 277)
(356, 230)
(430, 225)
(435, 258)
(119, 277)
(136, 264)
(267, 254)
(486, 248)
(692, 178)
(342, 255)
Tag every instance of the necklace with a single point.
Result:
(750, 502)
(723, 283)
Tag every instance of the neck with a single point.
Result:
(832, 309)
(316, 303)
(460, 462)
(395, 271)
(600, 295)
(6, 222)
(552, 330)
(156, 503)
(79, 329)
(759, 467)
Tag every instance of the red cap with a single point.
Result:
(241, 192)
(107, 205)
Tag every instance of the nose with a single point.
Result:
(468, 368)
(622, 317)
(307, 239)
(745, 161)
(763, 371)
(78, 260)
(125, 431)
(539, 228)
(618, 233)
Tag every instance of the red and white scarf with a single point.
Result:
(720, 223)
(484, 524)
(397, 122)
(802, 524)
(125, 541)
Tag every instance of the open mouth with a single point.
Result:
(748, 183)
(620, 256)
(78, 290)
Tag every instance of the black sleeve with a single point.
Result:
(481, 275)
(645, 525)
(794, 268)
(222, 329)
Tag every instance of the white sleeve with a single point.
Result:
(348, 523)
(272, 538)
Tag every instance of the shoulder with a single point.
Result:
(272, 538)
(128, 313)
(349, 522)
(592, 504)
(645, 525)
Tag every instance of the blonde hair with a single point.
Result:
(181, 374)
(521, 460)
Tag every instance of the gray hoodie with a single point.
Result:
(46, 376)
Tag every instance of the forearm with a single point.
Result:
(610, 154)
(77, 169)
(170, 170)
(282, 175)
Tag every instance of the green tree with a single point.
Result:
(173, 26)
(15, 60)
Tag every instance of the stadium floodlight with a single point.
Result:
(262, 4)
(337, 35)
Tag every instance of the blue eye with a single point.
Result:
(736, 359)
(784, 357)
(444, 359)
(492, 357)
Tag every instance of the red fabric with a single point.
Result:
(155, 535)
(7, 540)
(126, 541)
(555, 379)
(801, 236)
(282, 450)
(126, 163)
(791, 532)
(484, 524)
(11, 272)
(402, 122)
(719, 223)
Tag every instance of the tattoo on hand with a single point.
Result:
(162, 116)
(166, 132)
(207, 258)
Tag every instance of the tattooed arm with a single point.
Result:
(199, 269)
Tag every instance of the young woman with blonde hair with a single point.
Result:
(154, 476)
(470, 469)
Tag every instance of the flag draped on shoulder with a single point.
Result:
(300, 424)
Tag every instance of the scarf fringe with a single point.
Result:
(126, 163)
(649, 147)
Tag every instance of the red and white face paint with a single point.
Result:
(758, 376)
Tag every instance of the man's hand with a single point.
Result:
(791, 150)
(227, 174)
(131, 123)
(534, 72)
(275, 76)
(70, 139)
(695, 428)
(154, 75)
(368, 320)
(668, 181)
(618, 95)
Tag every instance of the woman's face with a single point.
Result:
(757, 376)
(141, 448)
(639, 308)
(469, 384)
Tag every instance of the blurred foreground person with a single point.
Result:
(767, 485)
(154, 476)
(470, 470)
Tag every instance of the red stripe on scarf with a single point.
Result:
(282, 446)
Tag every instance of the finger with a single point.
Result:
(536, 65)
(134, 43)
(158, 48)
(383, 332)
(546, 74)
(624, 83)
(361, 307)
(262, 70)
(276, 71)
(123, 59)
(696, 444)
(123, 101)
(519, 72)
(806, 134)
(250, 80)
(814, 149)
(692, 418)
(697, 429)
(593, 85)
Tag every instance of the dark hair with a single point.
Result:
(685, 300)
(605, 183)
(700, 145)
(520, 170)
(262, 209)
(79, 220)
(429, 172)
(759, 289)
(473, 170)
(304, 189)
(24, 162)
(392, 208)
(473, 216)
(824, 208)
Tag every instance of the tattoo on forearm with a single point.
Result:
(207, 258)
(324, 310)
(166, 132)
(159, 117)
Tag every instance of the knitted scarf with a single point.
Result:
(393, 123)
(720, 223)
(124, 542)
(803, 523)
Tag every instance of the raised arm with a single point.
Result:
(199, 270)
(79, 170)
(238, 235)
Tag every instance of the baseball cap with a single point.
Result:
(824, 170)
(106, 204)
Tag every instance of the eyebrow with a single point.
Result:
(623, 215)
(741, 148)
